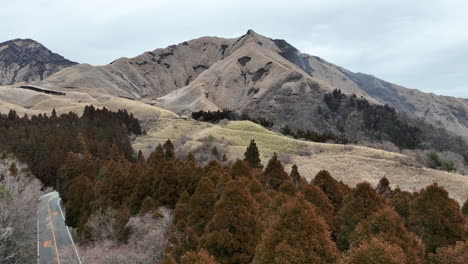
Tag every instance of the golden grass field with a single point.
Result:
(351, 164)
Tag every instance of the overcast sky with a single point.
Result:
(419, 44)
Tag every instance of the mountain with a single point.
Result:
(25, 60)
(254, 74)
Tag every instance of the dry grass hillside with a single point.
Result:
(29, 102)
(351, 164)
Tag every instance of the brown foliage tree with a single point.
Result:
(274, 174)
(200, 257)
(436, 218)
(457, 254)
(375, 251)
(387, 225)
(240, 168)
(330, 187)
(167, 189)
(202, 205)
(232, 234)
(362, 203)
(317, 197)
(299, 235)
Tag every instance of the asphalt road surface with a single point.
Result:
(54, 241)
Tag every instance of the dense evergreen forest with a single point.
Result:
(229, 213)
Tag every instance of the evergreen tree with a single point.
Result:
(167, 189)
(375, 251)
(400, 202)
(241, 168)
(252, 156)
(80, 196)
(232, 234)
(436, 218)
(296, 178)
(330, 187)
(169, 150)
(387, 225)
(299, 235)
(362, 203)
(202, 205)
(317, 197)
(274, 174)
(156, 158)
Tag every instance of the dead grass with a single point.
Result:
(349, 163)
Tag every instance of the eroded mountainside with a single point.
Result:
(254, 74)
(25, 60)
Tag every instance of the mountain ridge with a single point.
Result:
(251, 73)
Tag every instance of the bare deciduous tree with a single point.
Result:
(18, 211)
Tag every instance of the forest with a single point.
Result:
(165, 209)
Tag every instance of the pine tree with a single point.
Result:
(274, 174)
(362, 203)
(202, 205)
(232, 234)
(80, 196)
(156, 158)
(252, 156)
(169, 150)
(13, 169)
(241, 168)
(400, 202)
(167, 189)
(317, 197)
(330, 187)
(296, 178)
(141, 159)
(387, 225)
(375, 251)
(299, 235)
(436, 218)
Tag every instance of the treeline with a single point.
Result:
(311, 135)
(216, 116)
(380, 121)
(43, 141)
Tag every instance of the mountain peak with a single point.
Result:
(28, 60)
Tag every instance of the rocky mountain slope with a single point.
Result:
(27, 60)
(254, 74)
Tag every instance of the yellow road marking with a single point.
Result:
(53, 232)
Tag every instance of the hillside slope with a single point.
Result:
(254, 74)
(351, 164)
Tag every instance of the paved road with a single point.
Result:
(55, 244)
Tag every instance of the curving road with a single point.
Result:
(54, 242)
